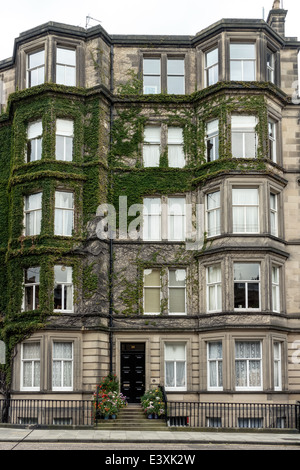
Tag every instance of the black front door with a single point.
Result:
(133, 371)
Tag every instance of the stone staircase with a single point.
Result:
(131, 418)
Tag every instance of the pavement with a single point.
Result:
(16, 434)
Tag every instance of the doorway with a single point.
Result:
(133, 371)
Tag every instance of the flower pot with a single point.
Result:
(150, 416)
(106, 417)
(113, 416)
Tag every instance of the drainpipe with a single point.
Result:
(111, 247)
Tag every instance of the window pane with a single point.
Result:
(66, 56)
(36, 59)
(249, 70)
(170, 374)
(34, 201)
(177, 300)
(176, 85)
(242, 51)
(212, 57)
(177, 277)
(180, 374)
(175, 352)
(63, 199)
(239, 295)
(253, 295)
(32, 275)
(35, 129)
(151, 66)
(151, 85)
(246, 271)
(152, 300)
(62, 274)
(176, 66)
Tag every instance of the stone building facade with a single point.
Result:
(195, 139)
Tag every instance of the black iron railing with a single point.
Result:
(234, 415)
(191, 414)
(48, 412)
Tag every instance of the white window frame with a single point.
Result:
(63, 285)
(34, 362)
(211, 67)
(34, 139)
(65, 130)
(62, 211)
(274, 214)
(66, 66)
(247, 361)
(270, 66)
(39, 68)
(243, 206)
(29, 285)
(176, 142)
(152, 89)
(176, 216)
(214, 229)
(152, 140)
(272, 141)
(176, 388)
(169, 74)
(215, 286)
(238, 128)
(277, 365)
(33, 213)
(217, 362)
(242, 60)
(151, 217)
(149, 288)
(275, 288)
(212, 135)
(247, 282)
(183, 288)
(62, 362)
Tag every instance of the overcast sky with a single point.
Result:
(186, 17)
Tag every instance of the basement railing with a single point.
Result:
(193, 415)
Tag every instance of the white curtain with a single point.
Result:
(176, 156)
(62, 365)
(245, 210)
(64, 213)
(151, 147)
(33, 204)
(175, 365)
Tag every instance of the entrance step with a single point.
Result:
(131, 418)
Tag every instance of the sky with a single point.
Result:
(175, 17)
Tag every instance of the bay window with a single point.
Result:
(34, 141)
(33, 214)
(270, 66)
(243, 136)
(242, 62)
(62, 366)
(246, 286)
(35, 68)
(213, 214)
(64, 213)
(63, 288)
(30, 366)
(275, 289)
(175, 366)
(212, 140)
(212, 67)
(248, 365)
(277, 366)
(272, 141)
(64, 140)
(274, 214)
(215, 366)
(66, 66)
(214, 288)
(245, 210)
(31, 288)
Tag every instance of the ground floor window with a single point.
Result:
(62, 367)
(30, 366)
(175, 366)
(248, 365)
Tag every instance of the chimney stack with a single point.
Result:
(276, 18)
